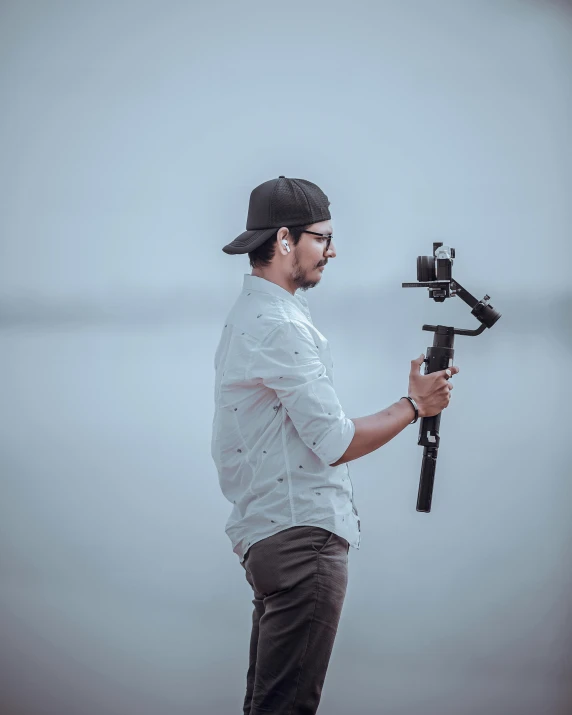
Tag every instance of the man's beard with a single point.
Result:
(300, 279)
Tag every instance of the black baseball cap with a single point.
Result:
(276, 203)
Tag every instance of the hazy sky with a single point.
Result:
(133, 133)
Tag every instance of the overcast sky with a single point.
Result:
(131, 136)
(133, 133)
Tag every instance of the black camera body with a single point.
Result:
(438, 267)
(436, 273)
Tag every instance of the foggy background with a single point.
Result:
(132, 134)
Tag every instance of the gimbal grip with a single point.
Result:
(439, 357)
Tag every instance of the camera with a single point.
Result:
(436, 273)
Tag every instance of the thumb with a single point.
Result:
(416, 364)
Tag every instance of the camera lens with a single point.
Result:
(425, 268)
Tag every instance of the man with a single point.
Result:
(281, 442)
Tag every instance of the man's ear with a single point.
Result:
(282, 233)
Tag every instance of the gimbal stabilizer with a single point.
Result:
(435, 272)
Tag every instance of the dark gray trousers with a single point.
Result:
(299, 579)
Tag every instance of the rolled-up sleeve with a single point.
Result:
(289, 363)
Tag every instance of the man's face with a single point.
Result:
(310, 256)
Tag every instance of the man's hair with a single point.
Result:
(263, 255)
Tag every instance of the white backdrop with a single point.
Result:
(131, 136)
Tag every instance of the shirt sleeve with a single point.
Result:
(289, 363)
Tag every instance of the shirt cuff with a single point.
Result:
(336, 441)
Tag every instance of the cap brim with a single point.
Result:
(249, 240)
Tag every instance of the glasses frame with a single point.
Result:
(329, 236)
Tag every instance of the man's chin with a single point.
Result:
(306, 282)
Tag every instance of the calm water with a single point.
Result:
(117, 573)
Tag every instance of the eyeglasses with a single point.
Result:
(328, 236)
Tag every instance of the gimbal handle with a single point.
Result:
(439, 357)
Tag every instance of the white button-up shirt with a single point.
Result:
(278, 424)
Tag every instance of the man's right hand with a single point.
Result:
(432, 392)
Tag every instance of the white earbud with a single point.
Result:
(285, 244)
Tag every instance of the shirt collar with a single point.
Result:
(257, 283)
